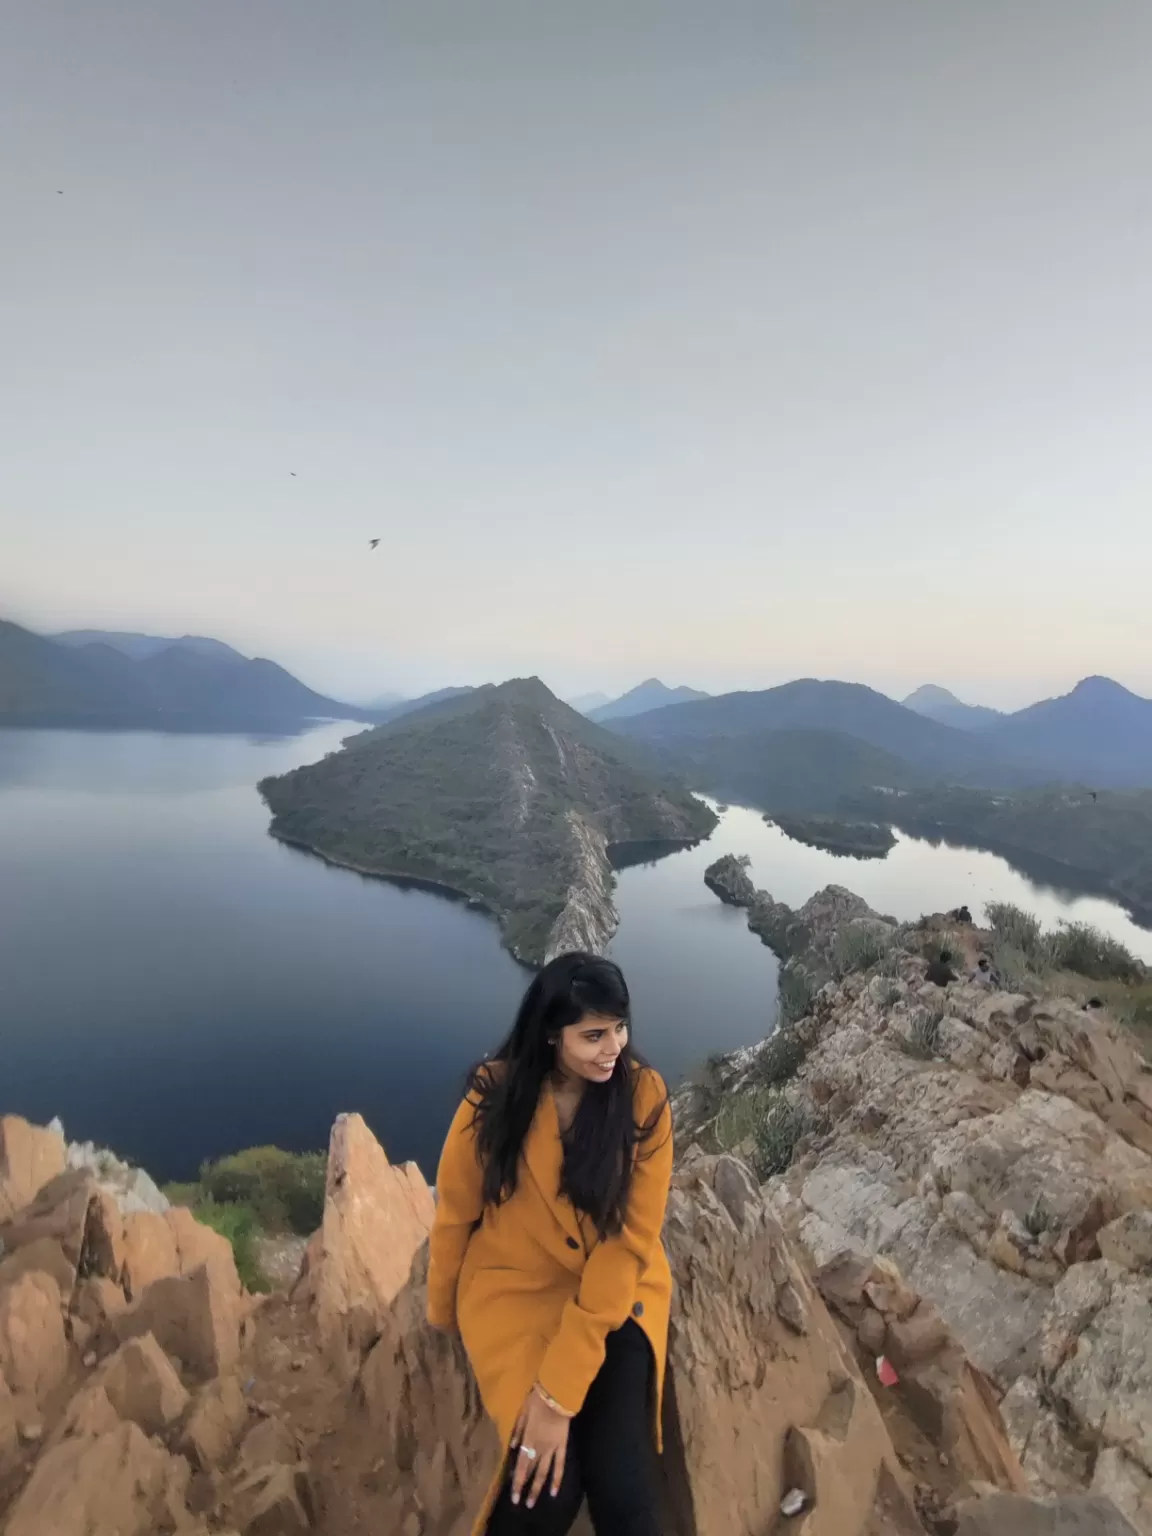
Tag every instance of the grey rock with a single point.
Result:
(1128, 1240)
(1009, 1514)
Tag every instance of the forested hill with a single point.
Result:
(503, 794)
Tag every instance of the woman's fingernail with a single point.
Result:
(515, 1498)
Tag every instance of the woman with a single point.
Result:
(546, 1254)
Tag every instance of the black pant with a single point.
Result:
(611, 1454)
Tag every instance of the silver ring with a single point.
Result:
(526, 1450)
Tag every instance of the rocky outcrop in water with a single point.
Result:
(997, 1149)
(814, 939)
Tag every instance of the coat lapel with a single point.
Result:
(543, 1156)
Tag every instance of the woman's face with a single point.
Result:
(588, 1050)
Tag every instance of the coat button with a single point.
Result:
(638, 1309)
(572, 1243)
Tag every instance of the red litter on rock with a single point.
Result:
(886, 1373)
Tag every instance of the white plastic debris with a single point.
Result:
(793, 1502)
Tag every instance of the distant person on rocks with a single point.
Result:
(940, 971)
(961, 915)
(982, 973)
(546, 1255)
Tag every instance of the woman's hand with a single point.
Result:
(543, 1430)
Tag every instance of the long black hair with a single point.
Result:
(600, 1146)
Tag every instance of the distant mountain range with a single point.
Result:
(585, 703)
(641, 700)
(941, 705)
(93, 680)
(144, 647)
(503, 794)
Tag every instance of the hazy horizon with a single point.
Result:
(729, 346)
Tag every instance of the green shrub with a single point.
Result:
(1016, 928)
(781, 1126)
(924, 1039)
(781, 1057)
(739, 1116)
(1086, 950)
(285, 1190)
(1013, 967)
(239, 1224)
(797, 994)
(857, 949)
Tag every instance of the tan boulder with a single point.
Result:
(150, 1251)
(58, 1213)
(274, 1501)
(195, 1319)
(119, 1482)
(95, 1300)
(30, 1157)
(157, 1246)
(197, 1244)
(142, 1385)
(376, 1216)
(33, 1349)
(44, 1254)
(218, 1415)
(104, 1238)
(91, 1412)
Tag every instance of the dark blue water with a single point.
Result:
(176, 984)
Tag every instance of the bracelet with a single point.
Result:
(552, 1403)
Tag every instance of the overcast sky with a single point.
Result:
(728, 342)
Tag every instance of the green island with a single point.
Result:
(505, 796)
(856, 839)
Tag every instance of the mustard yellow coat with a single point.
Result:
(532, 1289)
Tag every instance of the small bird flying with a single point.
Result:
(372, 543)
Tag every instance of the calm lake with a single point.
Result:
(175, 984)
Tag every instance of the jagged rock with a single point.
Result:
(130, 1188)
(141, 1384)
(119, 1482)
(1052, 1464)
(274, 1501)
(439, 1448)
(95, 1300)
(1128, 1240)
(269, 1442)
(1128, 1485)
(195, 1319)
(1107, 1379)
(376, 1216)
(1012, 1515)
(744, 1387)
(9, 1431)
(43, 1254)
(150, 1252)
(993, 1169)
(728, 878)
(30, 1157)
(156, 1246)
(103, 1252)
(33, 1349)
(809, 937)
(218, 1415)
(58, 1213)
